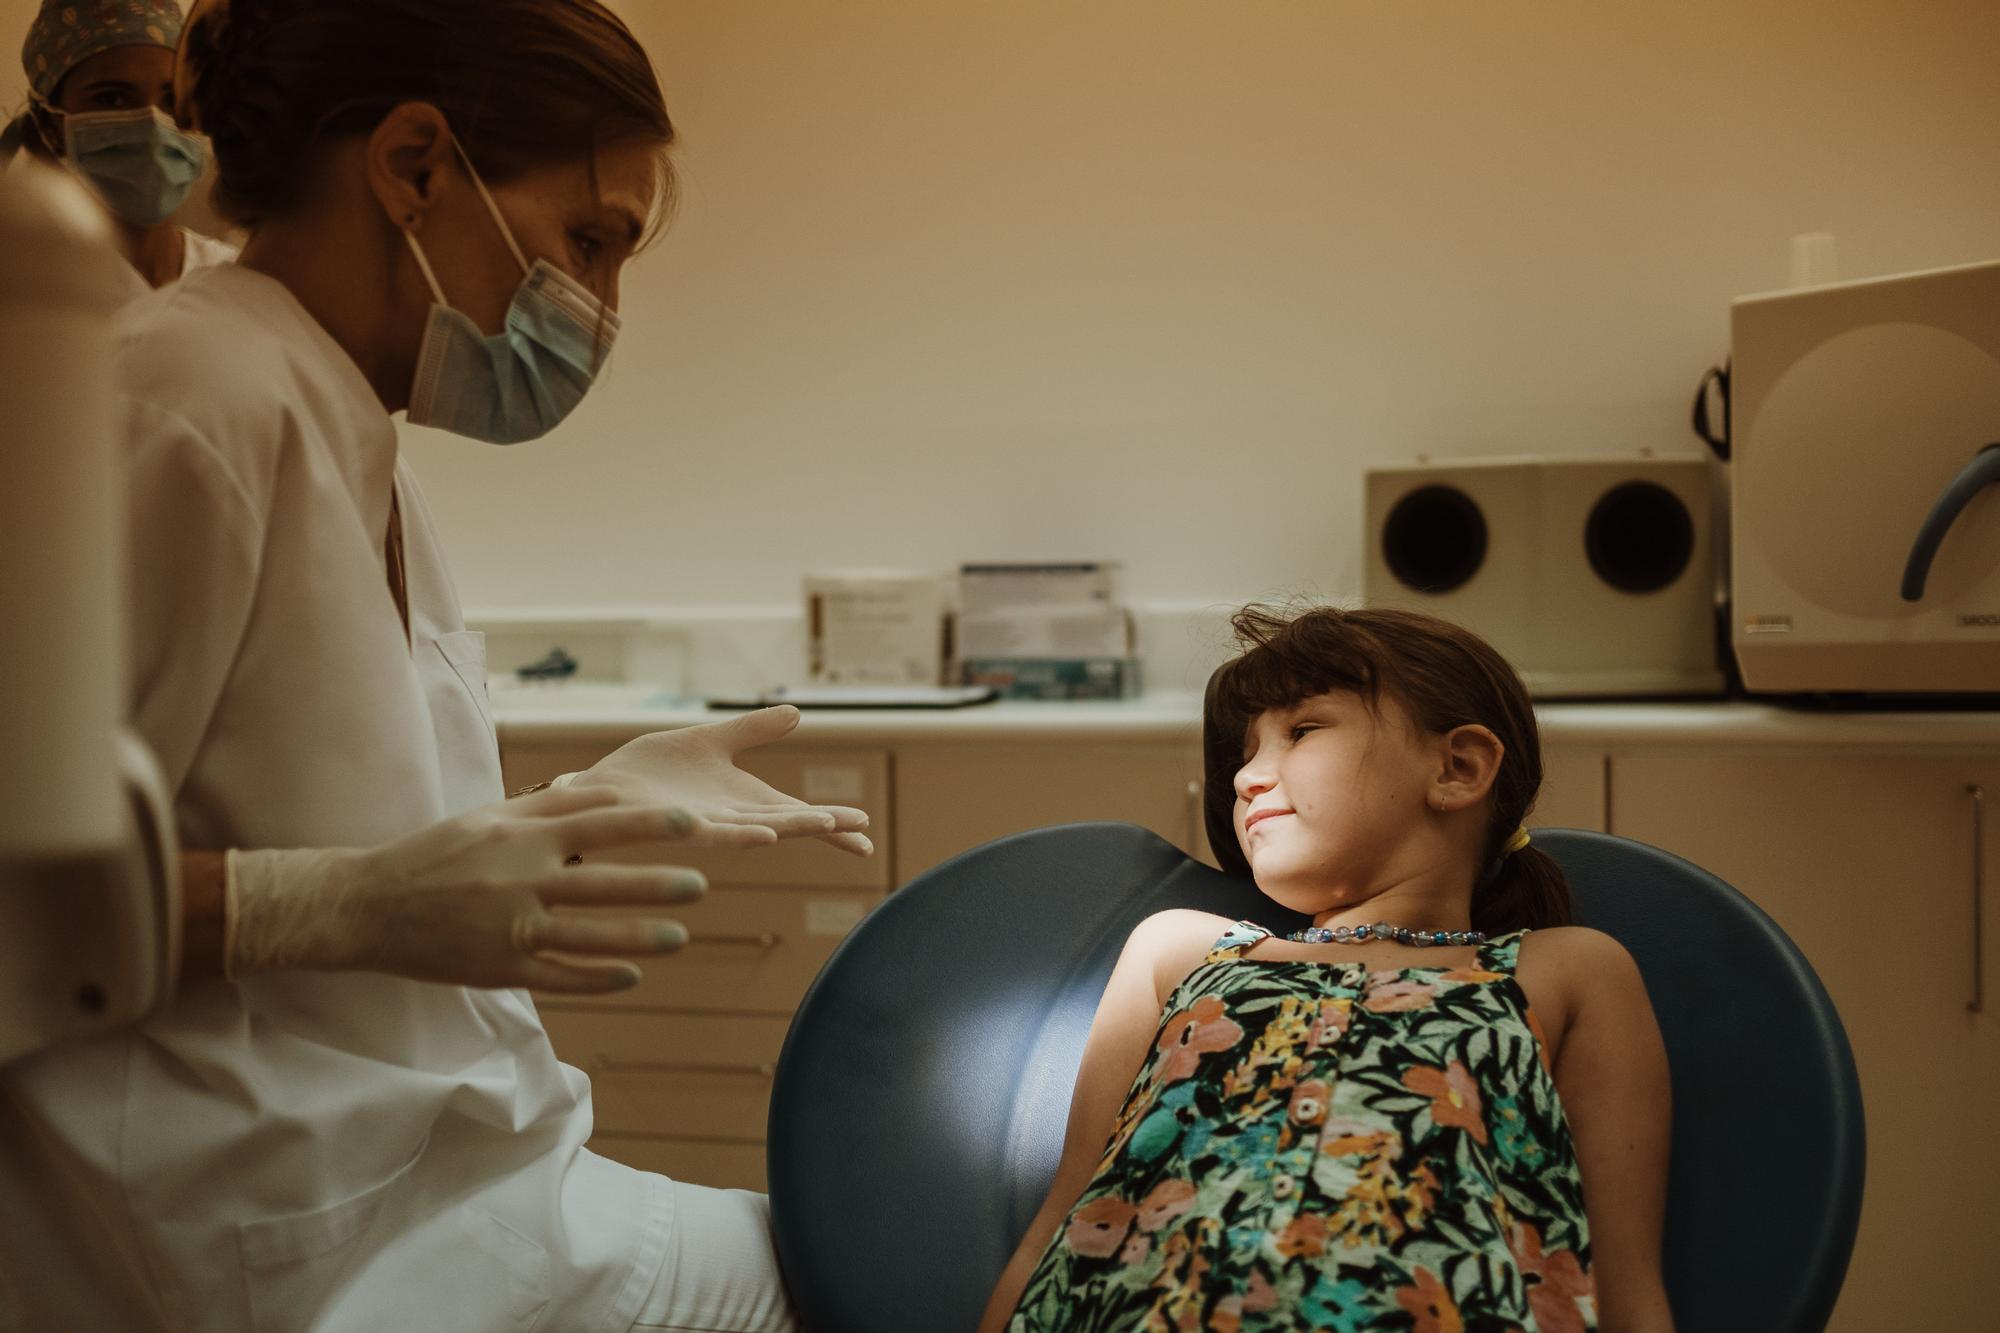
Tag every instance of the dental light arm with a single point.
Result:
(89, 890)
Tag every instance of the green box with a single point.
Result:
(1056, 677)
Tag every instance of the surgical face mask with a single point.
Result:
(139, 162)
(521, 382)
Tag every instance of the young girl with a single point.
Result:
(1439, 1109)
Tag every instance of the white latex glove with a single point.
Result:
(695, 768)
(466, 901)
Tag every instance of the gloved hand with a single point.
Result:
(466, 901)
(695, 769)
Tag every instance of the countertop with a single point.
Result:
(587, 712)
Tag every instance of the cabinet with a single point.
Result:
(1868, 863)
(951, 798)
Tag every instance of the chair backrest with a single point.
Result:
(922, 1094)
(1764, 1190)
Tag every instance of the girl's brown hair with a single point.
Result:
(523, 83)
(1444, 676)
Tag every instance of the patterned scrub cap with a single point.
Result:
(68, 32)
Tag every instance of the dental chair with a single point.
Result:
(918, 1110)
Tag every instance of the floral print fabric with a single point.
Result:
(1315, 1146)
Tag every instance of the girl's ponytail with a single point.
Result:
(1527, 891)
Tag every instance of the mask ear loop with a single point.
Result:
(600, 349)
(506, 232)
(425, 265)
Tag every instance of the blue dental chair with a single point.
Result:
(918, 1110)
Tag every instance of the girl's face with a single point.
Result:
(1332, 801)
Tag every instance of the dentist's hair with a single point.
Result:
(523, 83)
(1444, 677)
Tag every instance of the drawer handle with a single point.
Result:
(604, 1064)
(767, 941)
(1977, 1004)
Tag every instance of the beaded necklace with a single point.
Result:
(1382, 930)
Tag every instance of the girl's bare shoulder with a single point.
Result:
(1566, 969)
(1572, 947)
(1172, 943)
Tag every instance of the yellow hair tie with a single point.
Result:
(1517, 842)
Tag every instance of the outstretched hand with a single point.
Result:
(468, 901)
(694, 768)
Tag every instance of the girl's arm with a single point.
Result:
(1160, 952)
(1611, 1071)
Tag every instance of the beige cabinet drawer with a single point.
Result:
(749, 950)
(695, 1075)
(820, 775)
(1873, 866)
(728, 1166)
(950, 799)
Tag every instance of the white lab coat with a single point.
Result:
(306, 1151)
(197, 252)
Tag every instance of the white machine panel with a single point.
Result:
(1856, 407)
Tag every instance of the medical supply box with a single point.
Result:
(873, 627)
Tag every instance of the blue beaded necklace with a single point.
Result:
(1382, 930)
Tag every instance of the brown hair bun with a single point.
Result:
(523, 83)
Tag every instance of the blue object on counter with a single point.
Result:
(556, 664)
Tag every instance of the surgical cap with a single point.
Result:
(68, 32)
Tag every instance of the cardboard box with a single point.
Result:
(999, 586)
(877, 628)
(1050, 632)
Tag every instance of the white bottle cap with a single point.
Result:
(1813, 262)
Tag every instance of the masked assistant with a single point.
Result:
(136, 160)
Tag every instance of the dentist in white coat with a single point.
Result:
(349, 1120)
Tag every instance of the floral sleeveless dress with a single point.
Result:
(1318, 1146)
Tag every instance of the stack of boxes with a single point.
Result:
(1030, 631)
(1045, 631)
(877, 628)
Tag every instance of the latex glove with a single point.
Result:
(466, 901)
(695, 769)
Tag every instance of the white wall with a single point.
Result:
(1154, 279)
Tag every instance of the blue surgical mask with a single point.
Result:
(519, 383)
(139, 162)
